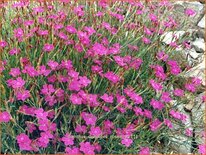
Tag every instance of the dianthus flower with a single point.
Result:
(107, 98)
(144, 151)
(127, 142)
(15, 72)
(95, 131)
(87, 148)
(5, 117)
(112, 77)
(68, 139)
(155, 125)
(156, 86)
(90, 119)
(24, 142)
(23, 95)
(156, 104)
(178, 92)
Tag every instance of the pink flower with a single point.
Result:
(41, 114)
(5, 117)
(144, 151)
(178, 92)
(52, 64)
(112, 77)
(15, 72)
(3, 43)
(90, 119)
(30, 70)
(190, 87)
(23, 95)
(74, 150)
(178, 115)
(95, 131)
(24, 142)
(75, 99)
(48, 47)
(107, 98)
(87, 148)
(189, 132)
(174, 67)
(168, 123)
(166, 97)
(80, 128)
(84, 81)
(74, 85)
(196, 81)
(14, 51)
(153, 17)
(202, 148)
(147, 113)
(99, 49)
(68, 139)
(127, 142)
(190, 12)
(18, 83)
(146, 40)
(43, 140)
(18, 33)
(162, 56)
(47, 89)
(155, 125)
(157, 86)
(71, 29)
(156, 104)
(31, 127)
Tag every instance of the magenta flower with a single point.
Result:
(144, 151)
(52, 64)
(47, 89)
(189, 132)
(14, 51)
(18, 83)
(68, 139)
(153, 17)
(15, 72)
(166, 97)
(90, 119)
(18, 33)
(3, 43)
(190, 87)
(71, 29)
(23, 95)
(178, 92)
(24, 142)
(30, 70)
(87, 148)
(75, 99)
(95, 131)
(41, 114)
(74, 85)
(74, 150)
(107, 98)
(147, 113)
(31, 127)
(112, 77)
(178, 115)
(146, 40)
(127, 142)
(162, 56)
(48, 47)
(190, 12)
(5, 117)
(84, 81)
(43, 140)
(81, 129)
(156, 104)
(202, 149)
(168, 123)
(155, 125)
(155, 85)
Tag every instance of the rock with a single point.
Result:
(192, 52)
(178, 141)
(201, 33)
(202, 22)
(198, 113)
(169, 37)
(199, 45)
(197, 71)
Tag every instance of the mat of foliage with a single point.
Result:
(91, 77)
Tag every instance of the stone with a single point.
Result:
(169, 37)
(199, 45)
(202, 22)
(192, 52)
(197, 71)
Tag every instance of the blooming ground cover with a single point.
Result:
(92, 77)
